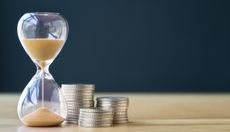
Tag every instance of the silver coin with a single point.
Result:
(69, 90)
(86, 86)
(72, 122)
(80, 101)
(93, 118)
(84, 121)
(79, 86)
(71, 118)
(112, 104)
(74, 96)
(76, 89)
(95, 125)
(72, 114)
(104, 113)
(74, 106)
(120, 116)
(95, 110)
(117, 109)
(77, 108)
(73, 110)
(95, 121)
(78, 97)
(74, 92)
(113, 107)
(96, 115)
(120, 113)
(112, 101)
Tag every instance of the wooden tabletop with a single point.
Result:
(148, 112)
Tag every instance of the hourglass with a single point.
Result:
(42, 35)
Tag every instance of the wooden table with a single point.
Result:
(147, 113)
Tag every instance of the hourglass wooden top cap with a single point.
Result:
(45, 25)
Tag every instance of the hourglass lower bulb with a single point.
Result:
(42, 35)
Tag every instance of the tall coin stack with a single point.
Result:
(77, 96)
(119, 106)
(95, 117)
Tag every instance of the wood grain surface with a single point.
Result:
(148, 112)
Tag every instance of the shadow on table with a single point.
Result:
(39, 129)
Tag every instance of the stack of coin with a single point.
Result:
(77, 96)
(95, 117)
(119, 106)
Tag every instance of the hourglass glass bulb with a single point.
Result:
(42, 35)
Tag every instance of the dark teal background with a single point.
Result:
(127, 45)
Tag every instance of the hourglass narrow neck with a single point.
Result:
(43, 72)
(42, 66)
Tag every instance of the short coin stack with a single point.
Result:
(77, 96)
(95, 117)
(119, 106)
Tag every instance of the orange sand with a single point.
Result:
(42, 49)
(42, 117)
